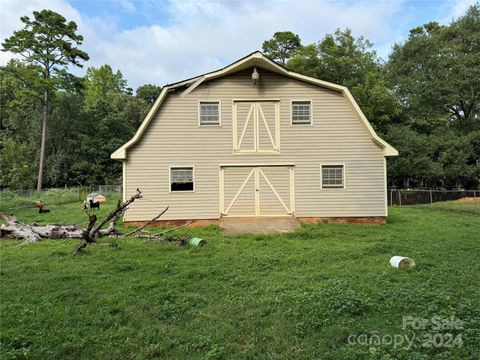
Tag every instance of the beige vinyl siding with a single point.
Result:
(174, 138)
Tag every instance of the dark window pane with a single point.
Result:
(186, 186)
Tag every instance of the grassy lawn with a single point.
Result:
(300, 295)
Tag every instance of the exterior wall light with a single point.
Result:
(255, 76)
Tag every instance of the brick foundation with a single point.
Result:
(158, 223)
(370, 220)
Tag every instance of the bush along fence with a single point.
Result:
(17, 199)
(414, 197)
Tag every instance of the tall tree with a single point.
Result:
(47, 42)
(436, 73)
(343, 59)
(282, 46)
(102, 83)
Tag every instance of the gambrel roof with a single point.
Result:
(254, 59)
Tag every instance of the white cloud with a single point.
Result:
(128, 6)
(202, 36)
(454, 9)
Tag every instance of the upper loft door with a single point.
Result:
(256, 127)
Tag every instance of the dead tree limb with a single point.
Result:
(147, 223)
(120, 209)
(32, 233)
(178, 227)
(17, 230)
(92, 231)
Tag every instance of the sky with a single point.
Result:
(160, 42)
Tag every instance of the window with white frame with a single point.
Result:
(209, 113)
(333, 176)
(301, 113)
(181, 179)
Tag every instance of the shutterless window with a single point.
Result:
(181, 179)
(332, 176)
(301, 112)
(209, 113)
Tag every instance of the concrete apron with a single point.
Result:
(259, 225)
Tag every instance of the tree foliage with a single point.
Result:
(81, 138)
(148, 93)
(282, 46)
(344, 60)
(436, 73)
(103, 84)
(47, 43)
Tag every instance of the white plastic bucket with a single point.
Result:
(402, 262)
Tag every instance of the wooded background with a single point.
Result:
(424, 100)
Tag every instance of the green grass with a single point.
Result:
(286, 296)
(11, 201)
(457, 206)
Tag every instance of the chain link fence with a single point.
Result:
(17, 199)
(416, 197)
(466, 201)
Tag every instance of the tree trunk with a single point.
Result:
(44, 138)
(32, 233)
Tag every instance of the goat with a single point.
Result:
(94, 205)
(40, 204)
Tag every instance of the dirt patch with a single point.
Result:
(469, 200)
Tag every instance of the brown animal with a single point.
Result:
(40, 204)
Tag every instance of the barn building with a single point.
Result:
(256, 140)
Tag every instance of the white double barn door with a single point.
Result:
(257, 190)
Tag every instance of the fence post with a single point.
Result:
(399, 197)
(431, 200)
(391, 197)
(475, 198)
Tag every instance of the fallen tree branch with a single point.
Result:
(121, 207)
(182, 241)
(147, 223)
(178, 227)
(93, 231)
(35, 232)
(32, 233)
